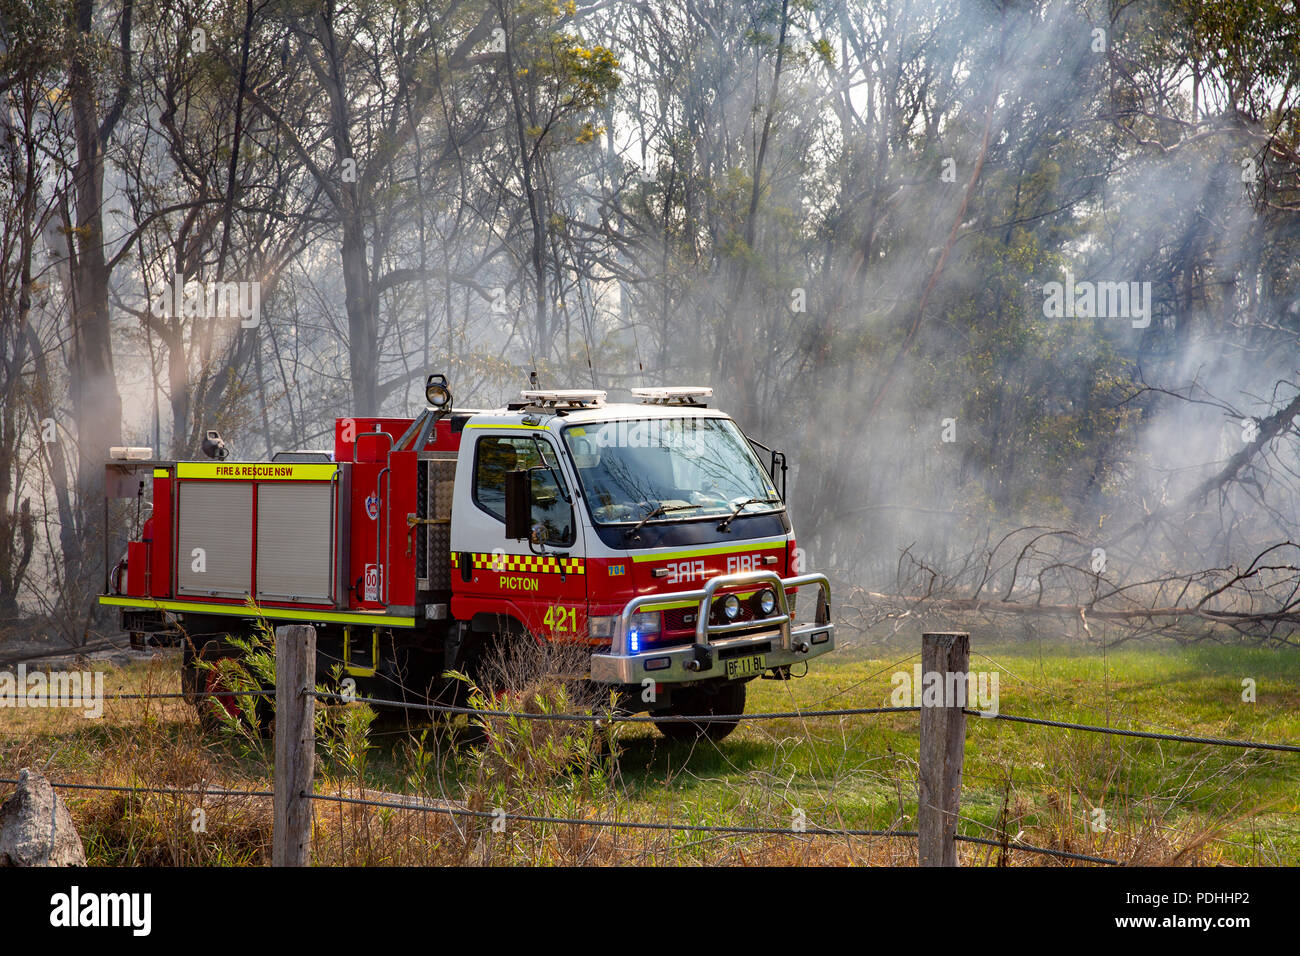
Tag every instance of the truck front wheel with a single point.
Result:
(722, 699)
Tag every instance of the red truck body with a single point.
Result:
(400, 545)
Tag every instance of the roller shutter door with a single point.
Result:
(295, 532)
(217, 517)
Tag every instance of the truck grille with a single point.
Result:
(679, 622)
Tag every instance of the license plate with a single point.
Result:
(750, 666)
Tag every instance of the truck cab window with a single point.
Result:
(498, 455)
(697, 468)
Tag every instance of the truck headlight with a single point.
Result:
(767, 602)
(643, 626)
(731, 607)
(646, 623)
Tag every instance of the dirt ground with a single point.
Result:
(37, 642)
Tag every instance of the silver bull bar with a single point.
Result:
(706, 657)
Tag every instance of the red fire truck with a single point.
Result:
(651, 532)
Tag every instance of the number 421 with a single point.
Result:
(561, 619)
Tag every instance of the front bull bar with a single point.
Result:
(789, 643)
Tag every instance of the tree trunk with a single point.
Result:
(97, 405)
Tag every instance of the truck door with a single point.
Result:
(543, 589)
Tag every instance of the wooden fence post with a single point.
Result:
(295, 743)
(943, 743)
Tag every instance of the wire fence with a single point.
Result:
(165, 791)
(608, 716)
(414, 803)
(793, 715)
(629, 718)
(1144, 734)
(728, 830)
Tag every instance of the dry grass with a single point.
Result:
(506, 768)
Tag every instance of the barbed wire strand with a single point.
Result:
(1060, 854)
(1073, 702)
(689, 827)
(173, 791)
(190, 695)
(614, 824)
(598, 822)
(1144, 734)
(676, 718)
(613, 718)
(858, 683)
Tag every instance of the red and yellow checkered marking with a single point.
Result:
(524, 563)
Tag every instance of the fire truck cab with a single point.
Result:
(650, 533)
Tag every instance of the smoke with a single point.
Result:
(974, 266)
(926, 435)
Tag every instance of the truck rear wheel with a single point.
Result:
(203, 678)
(704, 702)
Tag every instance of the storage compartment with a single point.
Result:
(137, 564)
(160, 542)
(295, 541)
(214, 538)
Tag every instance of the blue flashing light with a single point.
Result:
(634, 642)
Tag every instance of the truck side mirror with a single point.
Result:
(519, 504)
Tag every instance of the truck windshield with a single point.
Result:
(668, 469)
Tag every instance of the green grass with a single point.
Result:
(1163, 801)
(860, 771)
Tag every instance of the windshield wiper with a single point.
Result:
(725, 523)
(655, 513)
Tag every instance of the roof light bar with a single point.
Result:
(670, 395)
(130, 453)
(564, 396)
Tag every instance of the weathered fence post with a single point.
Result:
(295, 743)
(943, 743)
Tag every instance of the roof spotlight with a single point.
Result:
(214, 446)
(436, 392)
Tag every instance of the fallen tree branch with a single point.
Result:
(975, 605)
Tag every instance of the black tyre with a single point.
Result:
(204, 677)
(704, 702)
(191, 680)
